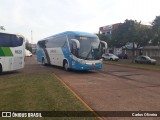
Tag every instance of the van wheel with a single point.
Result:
(111, 59)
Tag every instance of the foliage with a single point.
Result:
(156, 31)
(123, 34)
(105, 38)
(143, 35)
(28, 46)
(131, 31)
(2, 28)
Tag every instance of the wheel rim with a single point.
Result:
(66, 66)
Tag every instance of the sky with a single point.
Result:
(48, 17)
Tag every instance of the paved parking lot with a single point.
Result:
(115, 88)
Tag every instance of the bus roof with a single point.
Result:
(76, 33)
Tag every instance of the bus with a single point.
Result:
(72, 50)
(12, 52)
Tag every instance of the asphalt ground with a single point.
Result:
(114, 88)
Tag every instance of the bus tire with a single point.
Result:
(65, 65)
(43, 61)
(0, 68)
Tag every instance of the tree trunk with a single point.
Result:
(133, 53)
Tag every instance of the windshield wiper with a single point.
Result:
(88, 53)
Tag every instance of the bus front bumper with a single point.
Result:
(79, 66)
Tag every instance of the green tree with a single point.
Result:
(126, 32)
(28, 46)
(105, 38)
(131, 31)
(156, 31)
(143, 35)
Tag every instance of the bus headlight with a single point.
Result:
(82, 61)
(90, 63)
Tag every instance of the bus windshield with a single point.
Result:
(89, 48)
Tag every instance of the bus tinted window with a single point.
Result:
(56, 42)
(17, 41)
(8, 40)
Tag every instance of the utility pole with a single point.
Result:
(133, 52)
(31, 38)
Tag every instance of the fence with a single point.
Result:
(151, 51)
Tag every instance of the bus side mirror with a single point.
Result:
(77, 43)
(103, 43)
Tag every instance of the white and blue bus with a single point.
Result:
(12, 52)
(72, 50)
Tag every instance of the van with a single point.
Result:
(28, 53)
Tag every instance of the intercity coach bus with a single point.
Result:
(12, 52)
(72, 50)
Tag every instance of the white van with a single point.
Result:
(28, 53)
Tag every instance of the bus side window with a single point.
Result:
(5, 40)
(14, 41)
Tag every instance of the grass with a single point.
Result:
(37, 92)
(134, 65)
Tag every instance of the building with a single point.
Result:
(107, 30)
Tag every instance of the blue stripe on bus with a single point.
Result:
(67, 54)
(40, 54)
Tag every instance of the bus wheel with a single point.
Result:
(0, 68)
(65, 65)
(43, 61)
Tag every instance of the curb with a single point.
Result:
(82, 101)
(132, 67)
